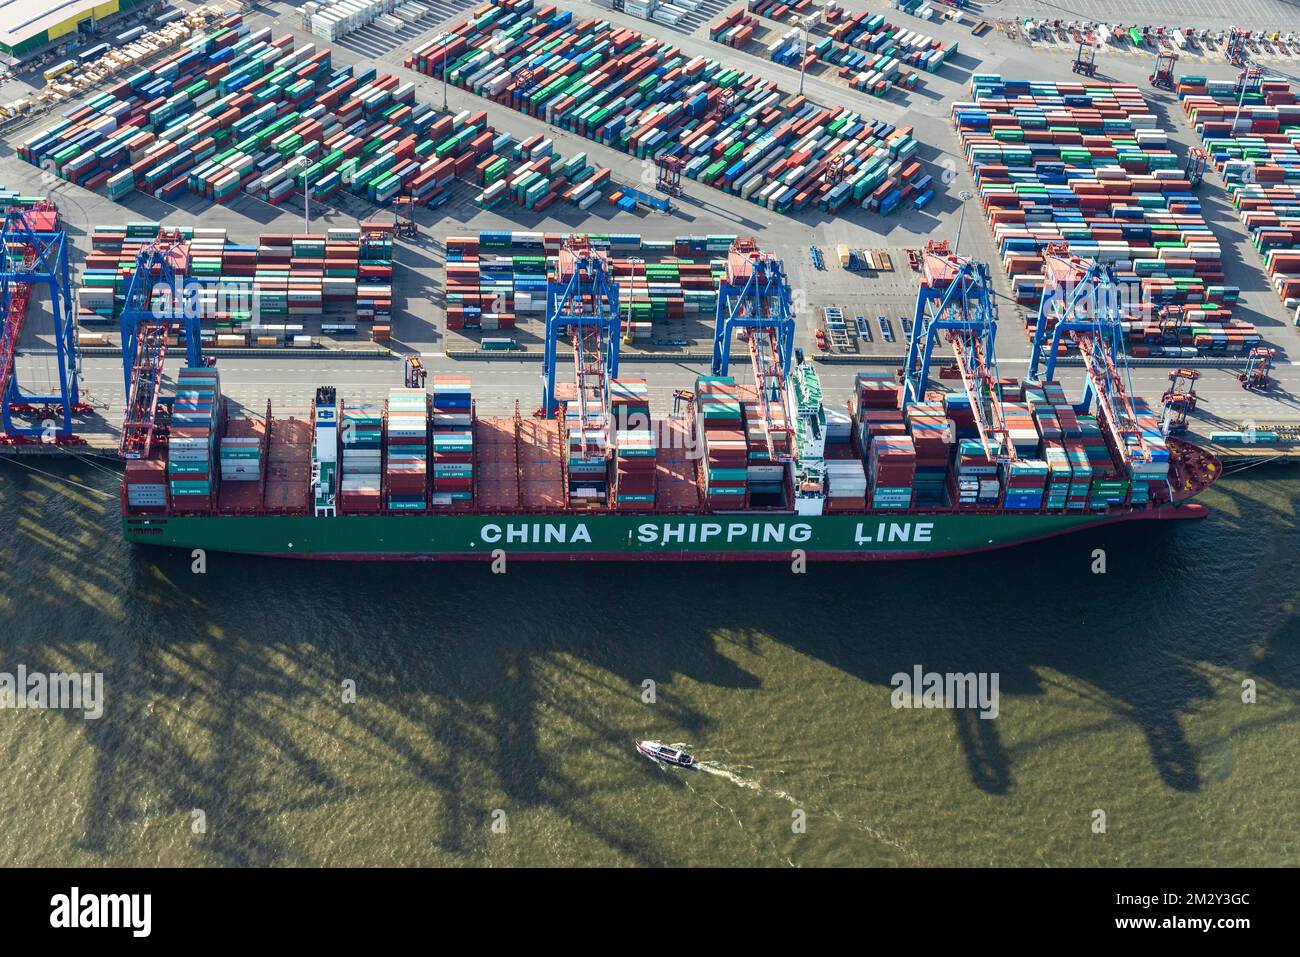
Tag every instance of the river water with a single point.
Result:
(494, 716)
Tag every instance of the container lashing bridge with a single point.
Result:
(155, 295)
(955, 305)
(582, 302)
(754, 300)
(1084, 299)
(33, 251)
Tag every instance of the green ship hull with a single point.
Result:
(613, 537)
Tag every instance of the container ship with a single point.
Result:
(750, 470)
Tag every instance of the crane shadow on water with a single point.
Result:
(476, 692)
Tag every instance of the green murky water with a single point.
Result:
(515, 699)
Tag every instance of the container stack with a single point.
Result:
(927, 423)
(839, 427)
(241, 458)
(721, 429)
(875, 389)
(237, 112)
(634, 466)
(735, 29)
(485, 291)
(1253, 140)
(869, 53)
(635, 445)
(1086, 163)
(192, 444)
(767, 445)
(588, 451)
(271, 288)
(977, 476)
(648, 98)
(375, 277)
(146, 485)
(360, 491)
(1025, 481)
(891, 464)
(846, 485)
(452, 437)
(407, 450)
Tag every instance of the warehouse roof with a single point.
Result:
(22, 19)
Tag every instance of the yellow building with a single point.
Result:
(26, 25)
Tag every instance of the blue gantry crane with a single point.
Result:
(582, 303)
(754, 300)
(1084, 302)
(33, 252)
(955, 305)
(155, 299)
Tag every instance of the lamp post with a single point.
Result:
(964, 195)
(306, 196)
(1246, 68)
(444, 74)
(806, 24)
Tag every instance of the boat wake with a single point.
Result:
(719, 770)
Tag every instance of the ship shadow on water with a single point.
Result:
(477, 692)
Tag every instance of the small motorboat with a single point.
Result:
(665, 754)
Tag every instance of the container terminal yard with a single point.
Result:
(922, 157)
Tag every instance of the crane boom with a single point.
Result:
(153, 295)
(955, 304)
(754, 299)
(1084, 301)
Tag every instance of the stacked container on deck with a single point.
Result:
(767, 446)
(243, 462)
(932, 438)
(880, 436)
(720, 431)
(241, 454)
(146, 485)
(648, 98)
(1252, 138)
(1086, 163)
(236, 110)
(452, 438)
(588, 450)
(361, 470)
(634, 445)
(192, 443)
(846, 485)
(407, 450)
